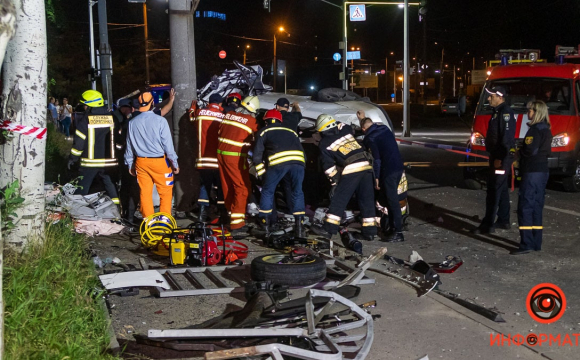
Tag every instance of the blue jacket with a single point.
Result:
(385, 150)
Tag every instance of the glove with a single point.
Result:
(332, 190)
(71, 162)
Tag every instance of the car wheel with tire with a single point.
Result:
(285, 270)
(572, 183)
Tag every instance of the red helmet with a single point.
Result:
(235, 97)
(273, 114)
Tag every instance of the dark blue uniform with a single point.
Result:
(345, 163)
(278, 154)
(388, 168)
(500, 144)
(534, 168)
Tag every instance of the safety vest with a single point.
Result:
(278, 145)
(236, 134)
(94, 140)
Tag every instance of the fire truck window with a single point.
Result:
(555, 92)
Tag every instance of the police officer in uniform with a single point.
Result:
(279, 151)
(347, 166)
(94, 144)
(500, 144)
(535, 173)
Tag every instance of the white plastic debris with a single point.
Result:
(414, 257)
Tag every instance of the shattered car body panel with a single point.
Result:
(341, 104)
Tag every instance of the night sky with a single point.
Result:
(479, 28)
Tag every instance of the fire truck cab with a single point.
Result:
(526, 79)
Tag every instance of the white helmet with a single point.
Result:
(325, 122)
(251, 103)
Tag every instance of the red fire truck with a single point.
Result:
(526, 79)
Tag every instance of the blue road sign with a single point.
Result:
(353, 55)
(336, 57)
(392, 95)
(357, 12)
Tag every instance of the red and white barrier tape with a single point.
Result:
(37, 132)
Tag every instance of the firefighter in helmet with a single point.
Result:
(94, 145)
(278, 154)
(347, 166)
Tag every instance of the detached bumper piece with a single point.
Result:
(325, 334)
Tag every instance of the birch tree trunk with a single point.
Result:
(24, 103)
(7, 21)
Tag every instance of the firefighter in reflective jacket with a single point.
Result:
(94, 144)
(285, 159)
(235, 137)
(347, 166)
(207, 124)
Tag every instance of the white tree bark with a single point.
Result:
(24, 102)
(7, 20)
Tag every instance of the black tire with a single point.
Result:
(571, 183)
(268, 268)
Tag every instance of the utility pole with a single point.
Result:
(146, 33)
(105, 54)
(387, 78)
(183, 78)
(275, 65)
(92, 46)
(406, 114)
(441, 72)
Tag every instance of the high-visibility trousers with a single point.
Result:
(235, 177)
(154, 171)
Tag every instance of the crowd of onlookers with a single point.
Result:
(62, 115)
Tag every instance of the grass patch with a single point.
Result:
(51, 301)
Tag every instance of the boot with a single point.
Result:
(263, 229)
(320, 231)
(203, 213)
(397, 237)
(299, 230)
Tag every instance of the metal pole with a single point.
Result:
(344, 51)
(285, 75)
(395, 81)
(386, 79)
(275, 72)
(441, 76)
(105, 54)
(406, 117)
(183, 78)
(146, 32)
(244, 56)
(92, 47)
(454, 76)
(423, 95)
(352, 78)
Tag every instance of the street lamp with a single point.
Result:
(275, 72)
(247, 47)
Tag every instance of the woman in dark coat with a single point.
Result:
(534, 169)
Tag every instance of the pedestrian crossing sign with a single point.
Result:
(357, 13)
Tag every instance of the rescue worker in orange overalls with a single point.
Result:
(151, 157)
(235, 138)
(207, 125)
